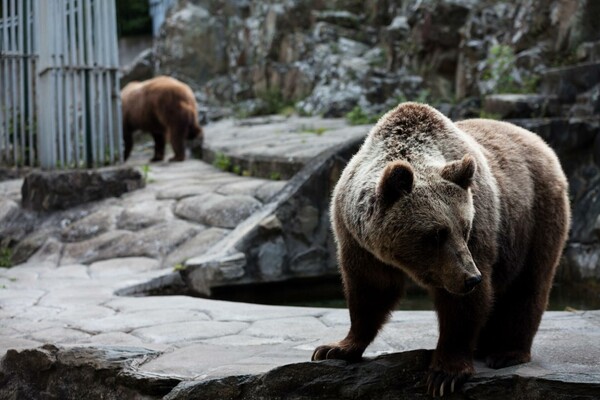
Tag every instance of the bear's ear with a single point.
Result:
(396, 181)
(460, 172)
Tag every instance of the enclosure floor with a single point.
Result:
(66, 305)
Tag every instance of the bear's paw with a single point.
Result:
(446, 382)
(337, 351)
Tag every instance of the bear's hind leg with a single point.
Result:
(159, 146)
(372, 290)
(508, 335)
(177, 138)
(127, 140)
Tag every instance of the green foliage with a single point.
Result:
(275, 176)
(311, 129)
(489, 115)
(287, 111)
(237, 170)
(179, 267)
(359, 117)
(145, 171)
(423, 96)
(5, 257)
(133, 17)
(274, 103)
(19, 132)
(222, 162)
(500, 64)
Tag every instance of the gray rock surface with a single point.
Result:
(274, 147)
(44, 191)
(140, 69)
(217, 210)
(244, 357)
(144, 347)
(329, 57)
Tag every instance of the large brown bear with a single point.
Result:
(475, 211)
(166, 108)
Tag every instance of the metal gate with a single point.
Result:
(60, 103)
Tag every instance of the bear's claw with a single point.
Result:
(440, 383)
(334, 352)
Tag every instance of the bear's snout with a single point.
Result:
(471, 282)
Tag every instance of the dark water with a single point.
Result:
(327, 292)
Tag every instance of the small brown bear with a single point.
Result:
(164, 107)
(475, 211)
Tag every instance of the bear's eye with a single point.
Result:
(436, 238)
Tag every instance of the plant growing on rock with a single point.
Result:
(359, 117)
(310, 129)
(273, 102)
(501, 75)
(222, 162)
(5, 257)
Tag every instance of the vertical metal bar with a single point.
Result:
(109, 77)
(58, 10)
(74, 63)
(89, 86)
(5, 79)
(99, 54)
(20, 128)
(42, 93)
(33, 116)
(52, 88)
(29, 79)
(13, 86)
(67, 76)
(116, 91)
(83, 75)
(103, 80)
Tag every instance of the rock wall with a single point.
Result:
(328, 57)
(536, 62)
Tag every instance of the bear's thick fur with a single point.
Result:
(475, 211)
(164, 107)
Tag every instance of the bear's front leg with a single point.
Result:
(460, 320)
(372, 289)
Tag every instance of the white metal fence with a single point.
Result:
(60, 103)
(158, 11)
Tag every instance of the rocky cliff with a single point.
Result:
(330, 56)
(534, 62)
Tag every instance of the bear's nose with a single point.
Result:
(471, 282)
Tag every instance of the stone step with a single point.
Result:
(590, 100)
(564, 135)
(507, 106)
(567, 82)
(273, 147)
(589, 51)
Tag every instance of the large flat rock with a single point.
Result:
(274, 146)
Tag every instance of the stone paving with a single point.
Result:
(65, 293)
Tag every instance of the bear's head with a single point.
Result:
(424, 223)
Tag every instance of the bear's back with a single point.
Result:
(528, 177)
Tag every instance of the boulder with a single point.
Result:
(217, 210)
(56, 190)
(140, 69)
(114, 372)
